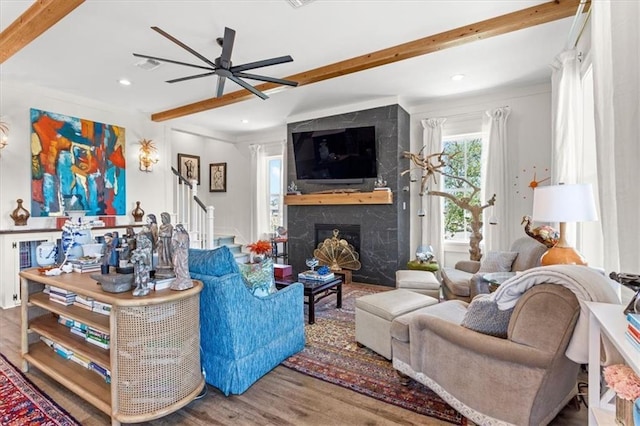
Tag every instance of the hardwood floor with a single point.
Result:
(282, 397)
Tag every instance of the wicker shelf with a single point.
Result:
(375, 197)
(155, 346)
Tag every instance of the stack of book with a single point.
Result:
(82, 360)
(83, 302)
(162, 283)
(633, 330)
(103, 372)
(62, 351)
(315, 276)
(83, 267)
(101, 308)
(62, 296)
(97, 337)
(79, 329)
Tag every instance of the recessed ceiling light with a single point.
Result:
(457, 77)
(124, 82)
(244, 120)
(298, 3)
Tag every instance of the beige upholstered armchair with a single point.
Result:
(462, 281)
(524, 379)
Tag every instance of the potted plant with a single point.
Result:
(259, 250)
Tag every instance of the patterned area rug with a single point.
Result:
(22, 403)
(331, 354)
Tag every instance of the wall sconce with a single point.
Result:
(4, 132)
(148, 155)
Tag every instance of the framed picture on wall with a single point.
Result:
(189, 167)
(218, 177)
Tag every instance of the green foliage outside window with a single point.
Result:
(466, 164)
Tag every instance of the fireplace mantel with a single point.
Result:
(375, 197)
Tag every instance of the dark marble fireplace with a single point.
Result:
(383, 228)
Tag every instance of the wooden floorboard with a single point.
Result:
(282, 397)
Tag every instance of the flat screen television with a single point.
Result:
(336, 156)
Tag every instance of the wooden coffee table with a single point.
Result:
(314, 291)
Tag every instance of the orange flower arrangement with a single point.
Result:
(260, 247)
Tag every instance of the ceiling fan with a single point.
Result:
(222, 66)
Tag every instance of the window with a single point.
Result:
(275, 191)
(465, 162)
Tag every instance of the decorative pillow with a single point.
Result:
(258, 277)
(497, 261)
(484, 317)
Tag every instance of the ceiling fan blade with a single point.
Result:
(220, 85)
(184, 46)
(227, 47)
(259, 64)
(248, 87)
(171, 61)
(265, 78)
(191, 77)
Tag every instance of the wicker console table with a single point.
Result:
(154, 354)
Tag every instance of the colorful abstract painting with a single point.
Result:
(76, 164)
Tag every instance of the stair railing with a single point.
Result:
(191, 212)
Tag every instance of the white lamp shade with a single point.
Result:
(564, 203)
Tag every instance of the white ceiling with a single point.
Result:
(87, 52)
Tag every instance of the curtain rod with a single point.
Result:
(479, 113)
(571, 43)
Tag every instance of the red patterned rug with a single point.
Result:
(22, 403)
(331, 354)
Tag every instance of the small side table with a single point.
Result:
(345, 274)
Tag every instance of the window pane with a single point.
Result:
(275, 192)
(464, 161)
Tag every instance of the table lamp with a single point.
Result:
(563, 203)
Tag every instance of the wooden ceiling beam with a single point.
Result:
(525, 18)
(41, 15)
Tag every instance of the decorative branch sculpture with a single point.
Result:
(432, 165)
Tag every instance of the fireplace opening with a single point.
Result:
(349, 233)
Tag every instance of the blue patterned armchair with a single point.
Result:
(243, 337)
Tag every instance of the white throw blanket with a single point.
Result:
(586, 283)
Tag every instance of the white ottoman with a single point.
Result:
(423, 282)
(375, 312)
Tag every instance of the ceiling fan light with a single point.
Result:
(148, 64)
(298, 3)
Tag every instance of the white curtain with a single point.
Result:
(566, 110)
(615, 50)
(495, 168)
(259, 195)
(432, 232)
(566, 140)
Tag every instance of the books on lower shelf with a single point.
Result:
(62, 296)
(83, 302)
(97, 337)
(315, 276)
(101, 308)
(62, 351)
(103, 372)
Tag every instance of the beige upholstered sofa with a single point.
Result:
(461, 281)
(525, 379)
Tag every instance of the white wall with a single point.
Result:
(529, 133)
(232, 208)
(151, 189)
